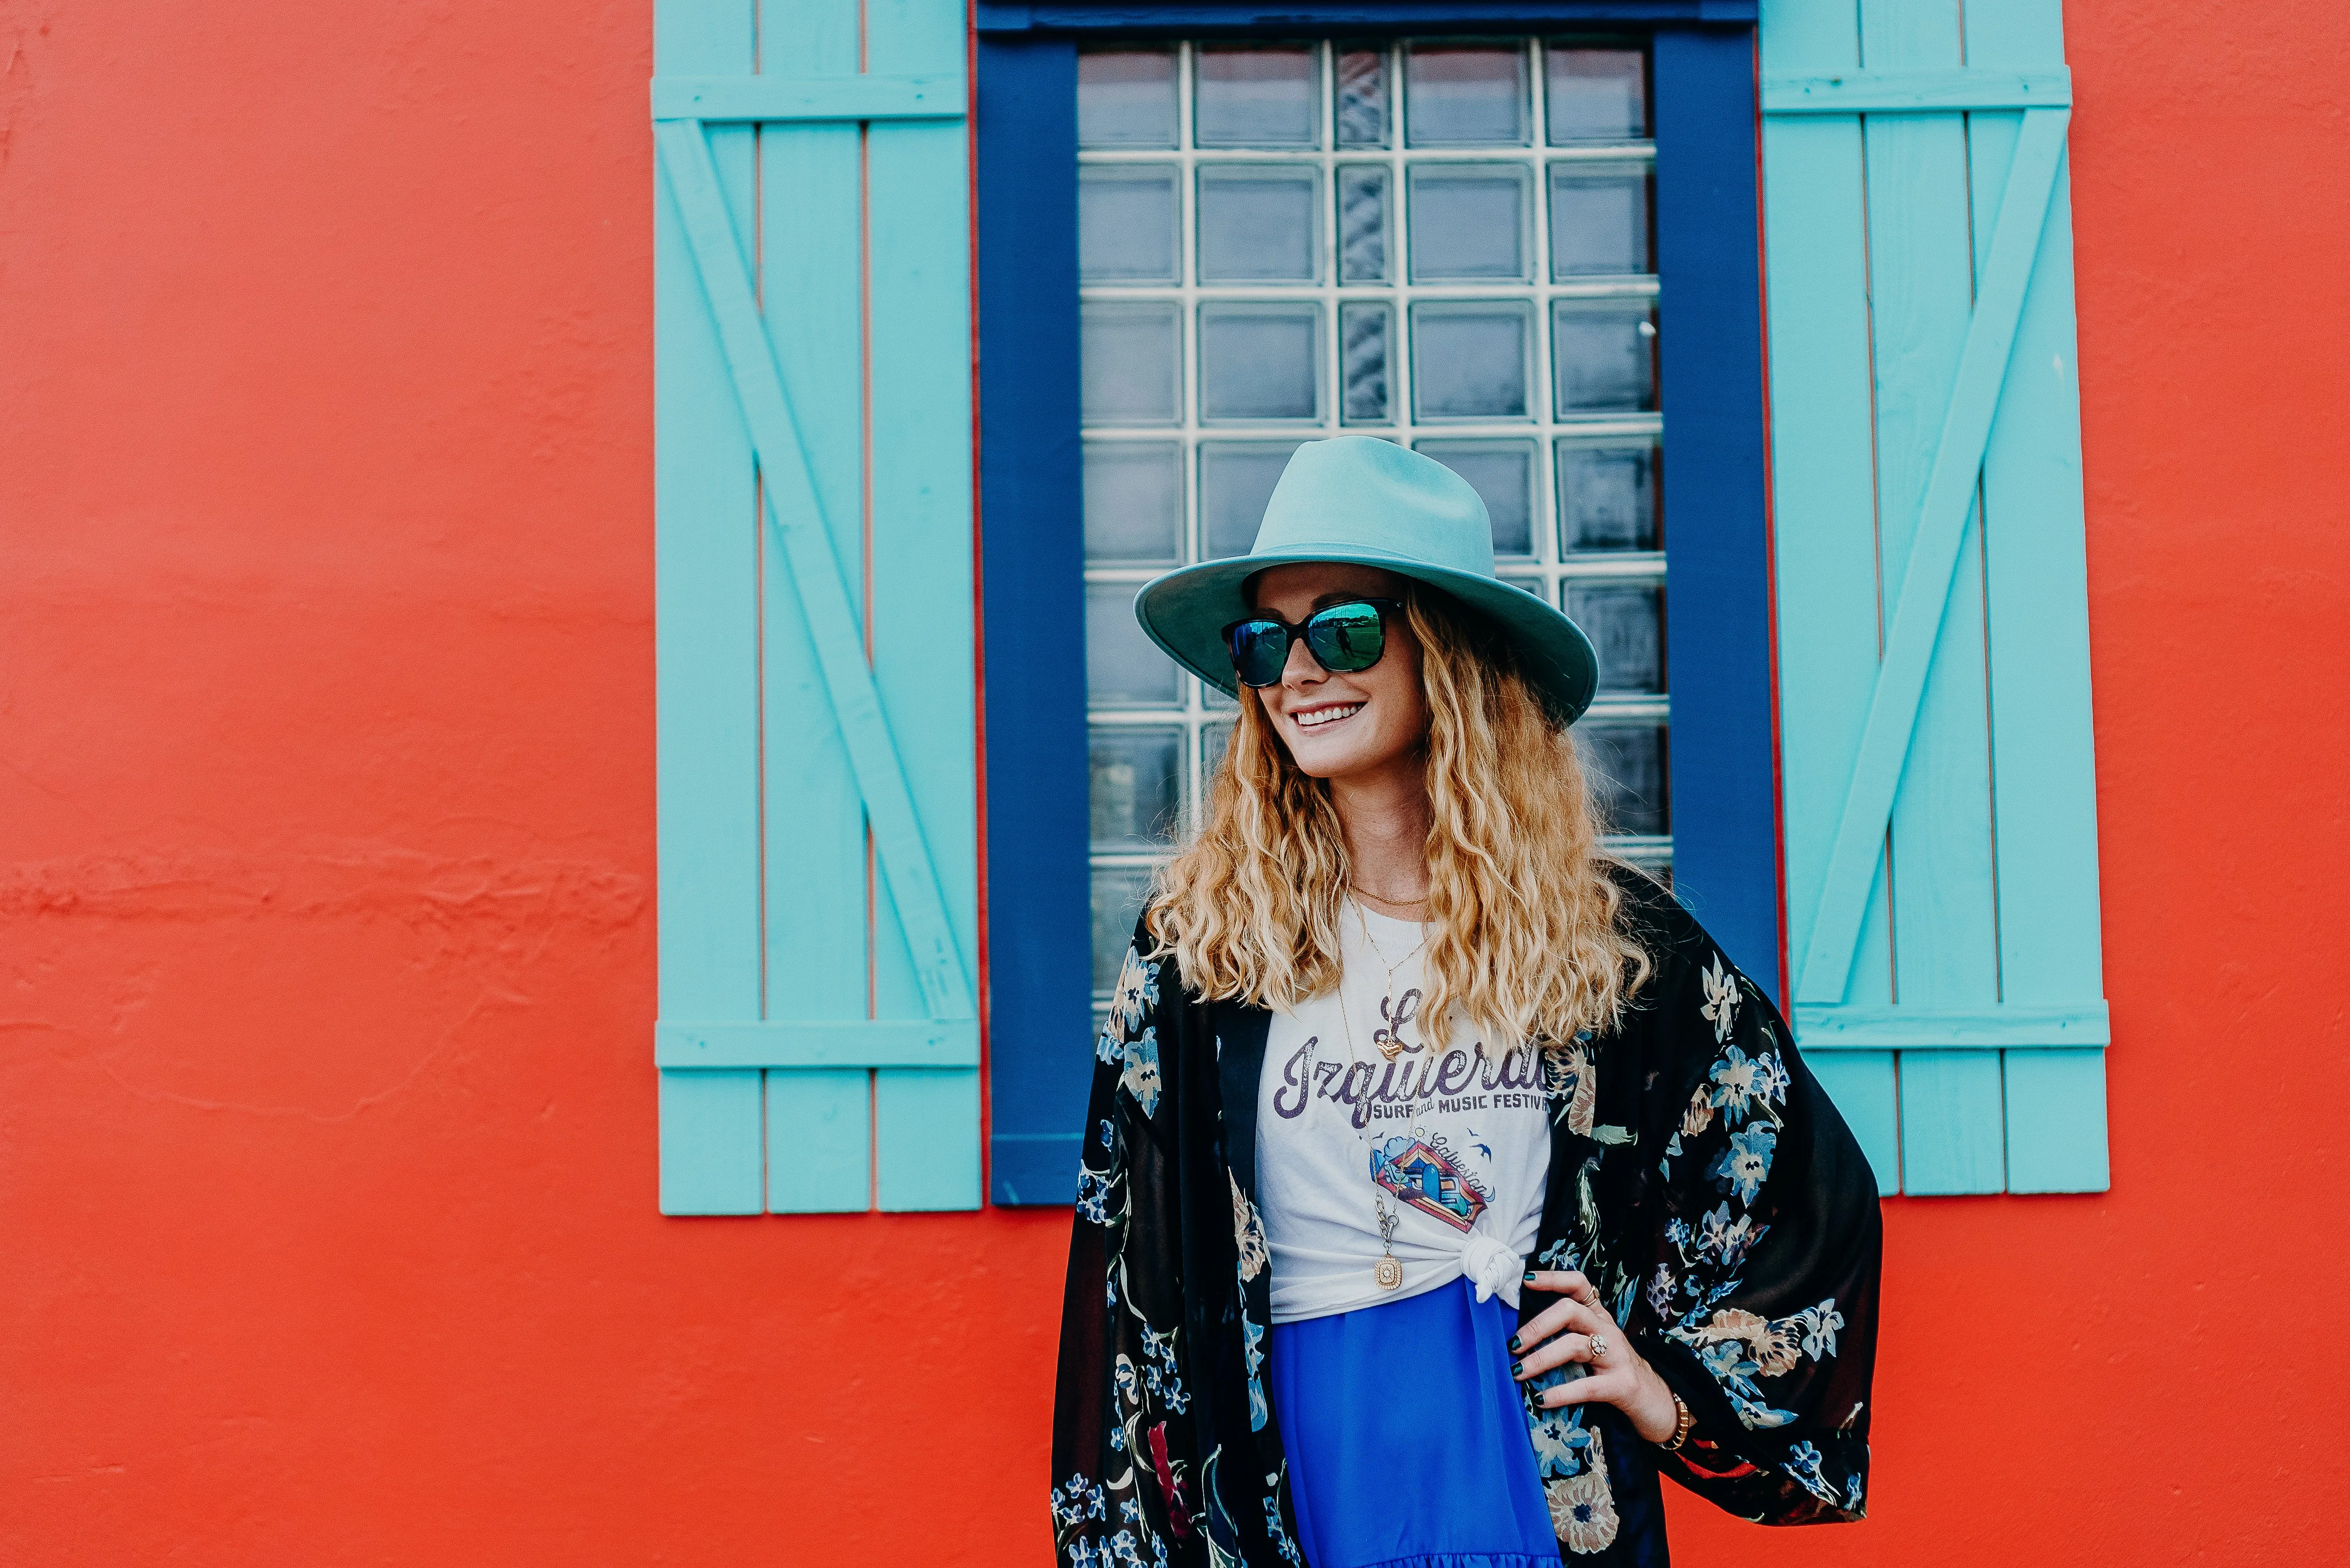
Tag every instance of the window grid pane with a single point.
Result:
(1272, 345)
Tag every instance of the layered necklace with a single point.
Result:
(1388, 1271)
(1392, 1045)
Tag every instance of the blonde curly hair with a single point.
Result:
(1531, 940)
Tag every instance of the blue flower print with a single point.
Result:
(1252, 1345)
(1734, 1370)
(1731, 1240)
(1273, 1526)
(1661, 1293)
(1742, 1083)
(1093, 1196)
(1139, 1076)
(1136, 993)
(1560, 1254)
(1744, 1166)
(1804, 1464)
(1819, 1325)
(1561, 1443)
(1161, 1374)
(1720, 1009)
(1079, 1500)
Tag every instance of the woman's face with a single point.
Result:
(1340, 726)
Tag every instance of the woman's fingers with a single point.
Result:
(1577, 1329)
(1564, 1282)
(1558, 1351)
(1538, 1341)
(1561, 1316)
(1599, 1388)
(1550, 1320)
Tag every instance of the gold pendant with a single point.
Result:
(1386, 1272)
(1391, 1047)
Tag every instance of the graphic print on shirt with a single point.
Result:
(1417, 1171)
(1461, 1080)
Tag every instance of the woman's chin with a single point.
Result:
(1339, 756)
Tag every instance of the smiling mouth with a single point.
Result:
(1322, 717)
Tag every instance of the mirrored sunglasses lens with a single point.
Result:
(1347, 637)
(1260, 648)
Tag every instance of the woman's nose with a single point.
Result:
(1302, 668)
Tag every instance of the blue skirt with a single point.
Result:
(1407, 1437)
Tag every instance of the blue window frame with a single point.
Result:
(1721, 772)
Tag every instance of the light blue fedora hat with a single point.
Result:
(1364, 500)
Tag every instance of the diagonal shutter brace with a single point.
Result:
(1943, 514)
(797, 518)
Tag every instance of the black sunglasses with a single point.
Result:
(1345, 637)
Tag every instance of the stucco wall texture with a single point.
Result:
(327, 1140)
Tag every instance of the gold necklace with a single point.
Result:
(1392, 1046)
(1387, 1272)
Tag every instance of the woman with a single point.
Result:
(1443, 1182)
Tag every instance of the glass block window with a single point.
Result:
(1447, 243)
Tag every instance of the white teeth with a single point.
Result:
(1322, 716)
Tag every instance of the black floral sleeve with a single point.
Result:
(1758, 1306)
(1124, 1447)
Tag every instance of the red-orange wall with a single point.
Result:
(326, 1159)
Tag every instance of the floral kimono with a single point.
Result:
(1699, 1177)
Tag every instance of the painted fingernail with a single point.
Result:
(1529, 1277)
(1517, 1368)
(1514, 1345)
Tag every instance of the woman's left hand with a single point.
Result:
(1579, 1329)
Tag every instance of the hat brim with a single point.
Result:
(1185, 612)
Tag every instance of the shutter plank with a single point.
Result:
(818, 959)
(1952, 1122)
(819, 1141)
(2056, 1121)
(1922, 289)
(927, 1120)
(928, 1152)
(1825, 516)
(2041, 724)
(706, 673)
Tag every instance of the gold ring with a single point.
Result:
(1598, 1346)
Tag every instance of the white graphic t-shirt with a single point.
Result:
(1454, 1137)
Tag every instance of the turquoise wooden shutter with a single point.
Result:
(1933, 632)
(818, 1039)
